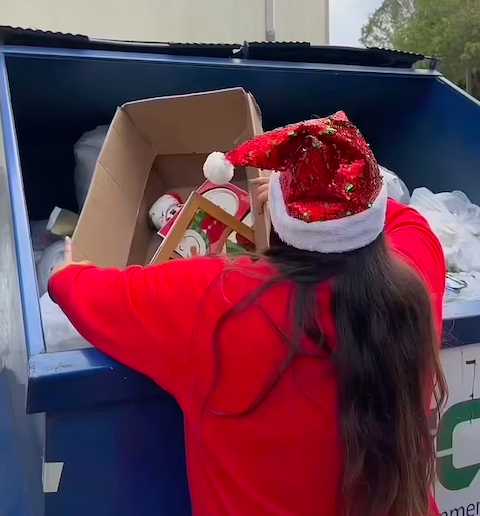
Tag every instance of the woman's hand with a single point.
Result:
(262, 184)
(68, 259)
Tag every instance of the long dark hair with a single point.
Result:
(387, 365)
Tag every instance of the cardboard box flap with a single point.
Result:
(255, 115)
(107, 223)
(198, 123)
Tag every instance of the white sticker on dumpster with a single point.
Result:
(52, 473)
(466, 432)
(458, 440)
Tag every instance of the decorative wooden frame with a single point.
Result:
(195, 203)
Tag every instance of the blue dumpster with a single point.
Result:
(91, 436)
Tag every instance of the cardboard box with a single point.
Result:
(152, 147)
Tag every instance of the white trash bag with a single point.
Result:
(456, 222)
(58, 331)
(396, 188)
(86, 152)
(462, 286)
(52, 256)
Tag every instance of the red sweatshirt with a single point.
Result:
(282, 459)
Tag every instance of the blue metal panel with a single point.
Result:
(26, 270)
(119, 460)
(81, 379)
(436, 143)
(21, 435)
(13, 500)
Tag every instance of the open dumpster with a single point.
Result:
(90, 436)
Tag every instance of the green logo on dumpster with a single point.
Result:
(452, 478)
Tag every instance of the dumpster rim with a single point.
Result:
(32, 323)
(449, 84)
(69, 380)
(54, 53)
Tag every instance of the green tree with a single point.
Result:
(449, 29)
(380, 29)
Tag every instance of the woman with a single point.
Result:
(306, 374)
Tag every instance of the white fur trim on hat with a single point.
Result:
(332, 236)
(218, 169)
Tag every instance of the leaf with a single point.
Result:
(380, 29)
(449, 29)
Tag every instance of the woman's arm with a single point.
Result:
(142, 317)
(412, 240)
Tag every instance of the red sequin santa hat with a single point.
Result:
(326, 190)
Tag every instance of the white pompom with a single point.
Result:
(217, 169)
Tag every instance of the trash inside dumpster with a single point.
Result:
(137, 190)
(108, 430)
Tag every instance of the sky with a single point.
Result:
(347, 18)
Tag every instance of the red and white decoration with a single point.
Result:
(165, 209)
(326, 192)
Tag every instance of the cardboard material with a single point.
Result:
(152, 147)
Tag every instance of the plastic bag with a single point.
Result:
(58, 331)
(456, 222)
(86, 152)
(41, 237)
(470, 290)
(51, 256)
(396, 188)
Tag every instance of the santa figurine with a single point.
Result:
(164, 209)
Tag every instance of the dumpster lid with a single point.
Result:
(301, 52)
